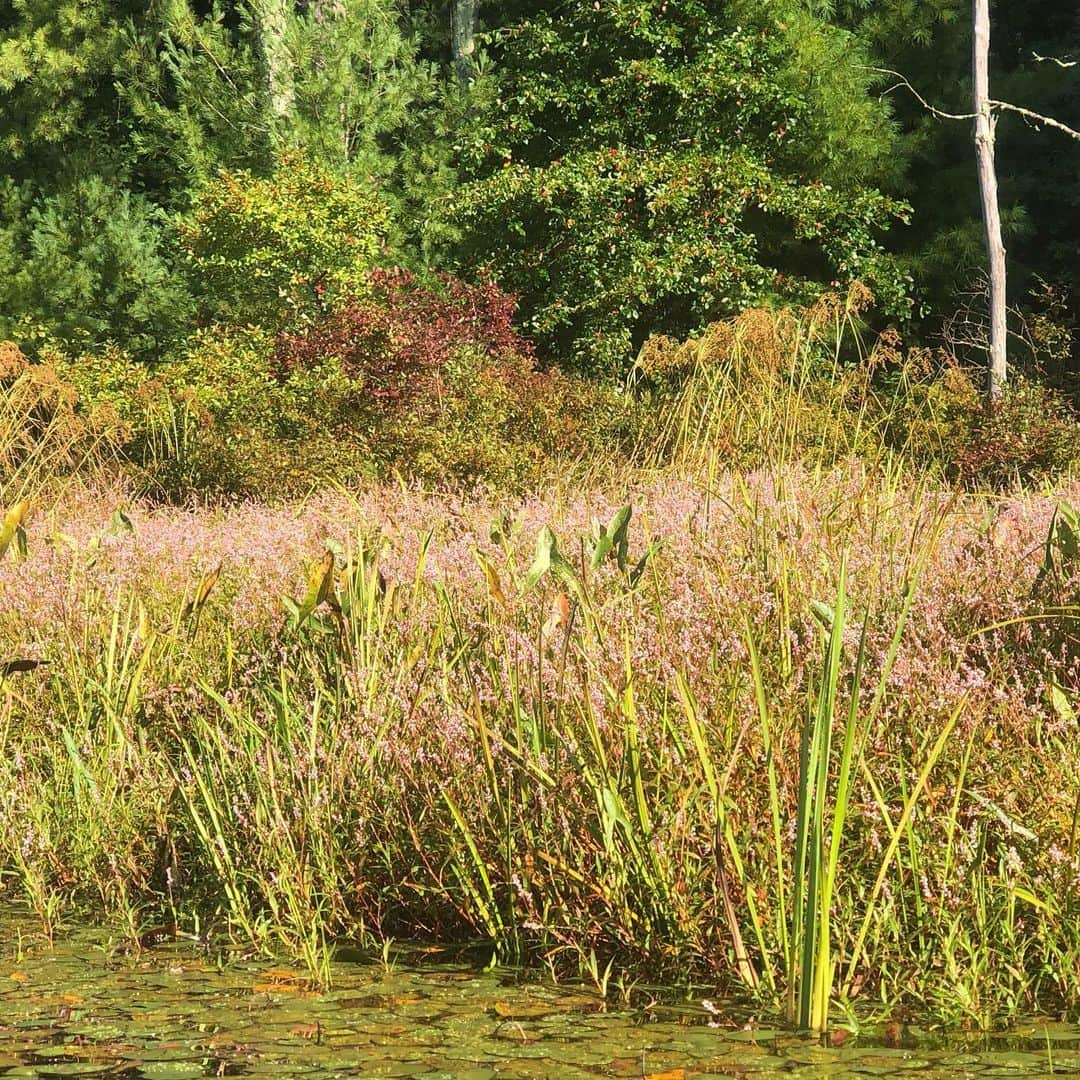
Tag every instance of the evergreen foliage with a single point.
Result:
(57, 63)
(626, 167)
(85, 265)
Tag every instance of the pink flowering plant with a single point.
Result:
(766, 703)
(390, 713)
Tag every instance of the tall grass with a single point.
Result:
(42, 436)
(772, 388)
(630, 742)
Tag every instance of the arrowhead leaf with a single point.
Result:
(320, 585)
(547, 552)
(12, 524)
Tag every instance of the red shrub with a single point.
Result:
(398, 338)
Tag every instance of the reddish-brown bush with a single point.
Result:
(398, 339)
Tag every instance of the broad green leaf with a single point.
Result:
(823, 613)
(1061, 704)
(120, 523)
(613, 538)
(12, 524)
(643, 562)
(320, 584)
(547, 551)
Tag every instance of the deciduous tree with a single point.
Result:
(650, 166)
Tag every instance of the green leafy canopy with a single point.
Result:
(652, 166)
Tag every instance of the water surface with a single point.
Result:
(83, 1008)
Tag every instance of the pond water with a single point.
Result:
(80, 1008)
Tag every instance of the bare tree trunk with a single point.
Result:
(985, 123)
(463, 37)
(272, 21)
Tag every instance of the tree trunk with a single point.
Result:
(984, 156)
(463, 37)
(272, 22)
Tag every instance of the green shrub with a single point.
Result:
(215, 420)
(938, 418)
(429, 382)
(1030, 434)
(930, 403)
(485, 426)
(279, 252)
(445, 389)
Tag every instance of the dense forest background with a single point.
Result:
(268, 178)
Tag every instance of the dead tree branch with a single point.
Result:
(1037, 118)
(1006, 106)
(1055, 60)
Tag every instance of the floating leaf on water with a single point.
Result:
(172, 1070)
(512, 1010)
(402, 999)
(66, 1068)
(281, 974)
(277, 988)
